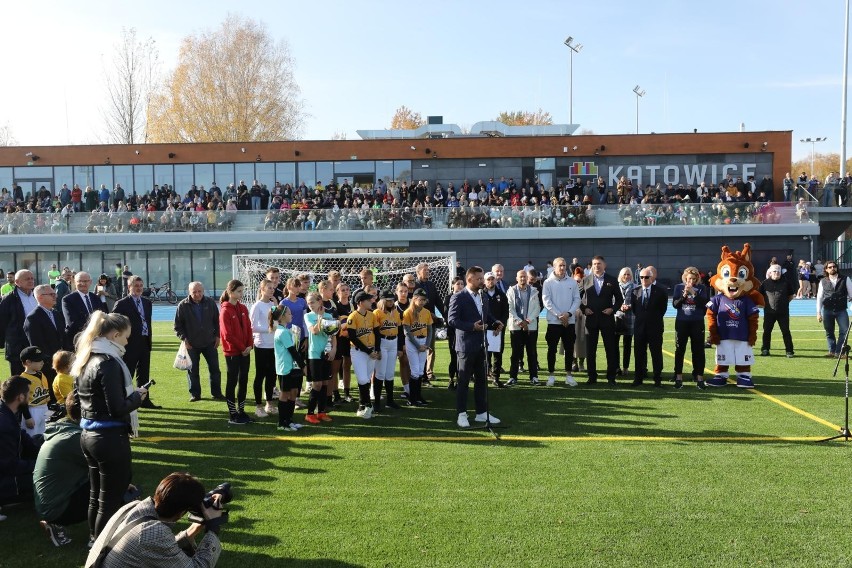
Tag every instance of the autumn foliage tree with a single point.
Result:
(823, 164)
(232, 84)
(525, 118)
(406, 119)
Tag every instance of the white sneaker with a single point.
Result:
(368, 413)
(569, 380)
(360, 412)
(534, 381)
(462, 420)
(551, 381)
(485, 417)
(275, 392)
(300, 405)
(260, 412)
(294, 426)
(270, 408)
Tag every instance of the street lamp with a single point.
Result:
(575, 48)
(812, 142)
(639, 93)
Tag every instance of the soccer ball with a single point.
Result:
(330, 327)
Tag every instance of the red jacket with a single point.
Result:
(235, 329)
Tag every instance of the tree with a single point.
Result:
(823, 164)
(129, 80)
(525, 118)
(7, 138)
(406, 119)
(233, 84)
(339, 135)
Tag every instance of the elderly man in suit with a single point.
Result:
(601, 298)
(77, 306)
(433, 301)
(648, 302)
(13, 312)
(45, 328)
(137, 352)
(471, 319)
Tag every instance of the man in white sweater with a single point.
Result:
(561, 298)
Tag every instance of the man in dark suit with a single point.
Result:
(77, 306)
(137, 352)
(648, 302)
(601, 298)
(470, 319)
(13, 312)
(45, 328)
(433, 301)
(497, 306)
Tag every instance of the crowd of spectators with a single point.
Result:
(391, 205)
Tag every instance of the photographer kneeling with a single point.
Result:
(139, 534)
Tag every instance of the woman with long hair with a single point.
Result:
(321, 351)
(237, 342)
(624, 329)
(342, 364)
(264, 349)
(288, 364)
(580, 332)
(108, 403)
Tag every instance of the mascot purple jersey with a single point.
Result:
(733, 315)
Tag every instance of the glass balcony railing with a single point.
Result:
(467, 217)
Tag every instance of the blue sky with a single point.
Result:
(773, 65)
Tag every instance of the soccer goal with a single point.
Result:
(388, 268)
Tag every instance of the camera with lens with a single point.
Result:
(225, 496)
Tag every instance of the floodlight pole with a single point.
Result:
(575, 48)
(639, 94)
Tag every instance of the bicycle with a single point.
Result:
(163, 292)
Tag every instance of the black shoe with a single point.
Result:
(636, 383)
(592, 381)
(575, 368)
(620, 373)
(194, 398)
(219, 396)
(511, 382)
(420, 402)
(427, 383)
(764, 352)
(451, 386)
(701, 385)
(499, 384)
(392, 404)
(148, 404)
(658, 384)
(678, 384)
(610, 382)
(405, 395)
(409, 402)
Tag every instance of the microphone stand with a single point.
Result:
(844, 354)
(487, 425)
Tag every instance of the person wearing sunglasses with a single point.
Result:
(833, 295)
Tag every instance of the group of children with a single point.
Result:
(321, 337)
(39, 401)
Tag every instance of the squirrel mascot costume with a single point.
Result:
(732, 316)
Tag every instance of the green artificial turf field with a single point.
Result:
(586, 476)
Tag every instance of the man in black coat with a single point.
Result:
(45, 328)
(497, 304)
(13, 312)
(77, 306)
(601, 298)
(648, 302)
(137, 352)
(433, 300)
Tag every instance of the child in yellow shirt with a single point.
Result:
(35, 412)
(63, 383)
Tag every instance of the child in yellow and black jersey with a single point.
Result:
(389, 322)
(417, 325)
(363, 328)
(35, 411)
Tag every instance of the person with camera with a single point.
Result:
(139, 533)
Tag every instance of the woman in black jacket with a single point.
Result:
(108, 404)
(689, 299)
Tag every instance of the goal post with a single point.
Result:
(388, 268)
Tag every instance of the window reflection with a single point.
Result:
(103, 175)
(202, 269)
(124, 175)
(285, 173)
(204, 175)
(224, 175)
(164, 174)
(143, 179)
(244, 172)
(181, 269)
(307, 173)
(185, 178)
(325, 172)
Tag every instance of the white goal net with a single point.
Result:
(388, 268)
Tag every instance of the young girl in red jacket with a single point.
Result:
(237, 340)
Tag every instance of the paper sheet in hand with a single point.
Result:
(493, 341)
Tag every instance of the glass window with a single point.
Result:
(6, 178)
(7, 263)
(69, 259)
(355, 167)
(202, 269)
(158, 267)
(45, 260)
(222, 271)
(244, 172)
(384, 171)
(137, 261)
(181, 269)
(143, 179)
(307, 174)
(31, 172)
(84, 175)
(26, 261)
(61, 174)
(325, 172)
(185, 178)
(164, 174)
(111, 259)
(224, 175)
(103, 175)
(545, 164)
(265, 173)
(402, 170)
(204, 175)
(285, 172)
(92, 262)
(124, 176)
